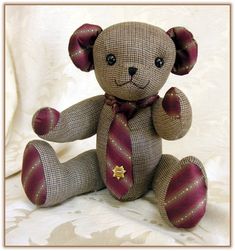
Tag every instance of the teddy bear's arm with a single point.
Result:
(172, 115)
(76, 122)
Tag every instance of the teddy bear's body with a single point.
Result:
(132, 62)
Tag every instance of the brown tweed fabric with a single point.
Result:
(64, 180)
(146, 149)
(168, 166)
(170, 127)
(78, 121)
(134, 45)
(163, 175)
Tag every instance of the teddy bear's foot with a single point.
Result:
(47, 182)
(181, 190)
(33, 177)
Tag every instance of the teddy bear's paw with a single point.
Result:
(186, 196)
(33, 177)
(45, 120)
(171, 102)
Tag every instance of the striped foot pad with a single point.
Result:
(185, 201)
(32, 176)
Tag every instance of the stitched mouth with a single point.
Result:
(132, 82)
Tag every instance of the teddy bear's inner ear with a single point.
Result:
(81, 46)
(186, 50)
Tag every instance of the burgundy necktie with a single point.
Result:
(119, 173)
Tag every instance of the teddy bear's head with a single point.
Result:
(132, 60)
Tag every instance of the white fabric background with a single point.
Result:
(39, 73)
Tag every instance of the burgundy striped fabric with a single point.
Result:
(186, 50)
(185, 200)
(81, 44)
(119, 173)
(32, 176)
(45, 120)
(171, 103)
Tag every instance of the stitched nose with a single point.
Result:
(132, 71)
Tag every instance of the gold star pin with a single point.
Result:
(119, 172)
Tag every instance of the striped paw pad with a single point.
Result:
(45, 120)
(32, 176)
(171, 103)
(185, 201)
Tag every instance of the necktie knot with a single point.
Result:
(128, 108)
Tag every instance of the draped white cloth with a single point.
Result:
(39, 73)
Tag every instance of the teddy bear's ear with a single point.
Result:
(81, 46)
(186, 50)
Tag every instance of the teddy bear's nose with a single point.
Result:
(132, 71)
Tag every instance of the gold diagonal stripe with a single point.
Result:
(38, 193)
(121, 148)
(30, 172)
(184, 191)
(190, 213)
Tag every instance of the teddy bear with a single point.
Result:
(131, 61)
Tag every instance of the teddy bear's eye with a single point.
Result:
(111, 59)
(159, 62)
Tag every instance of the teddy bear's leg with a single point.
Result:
(181, 190)
(47, 182)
